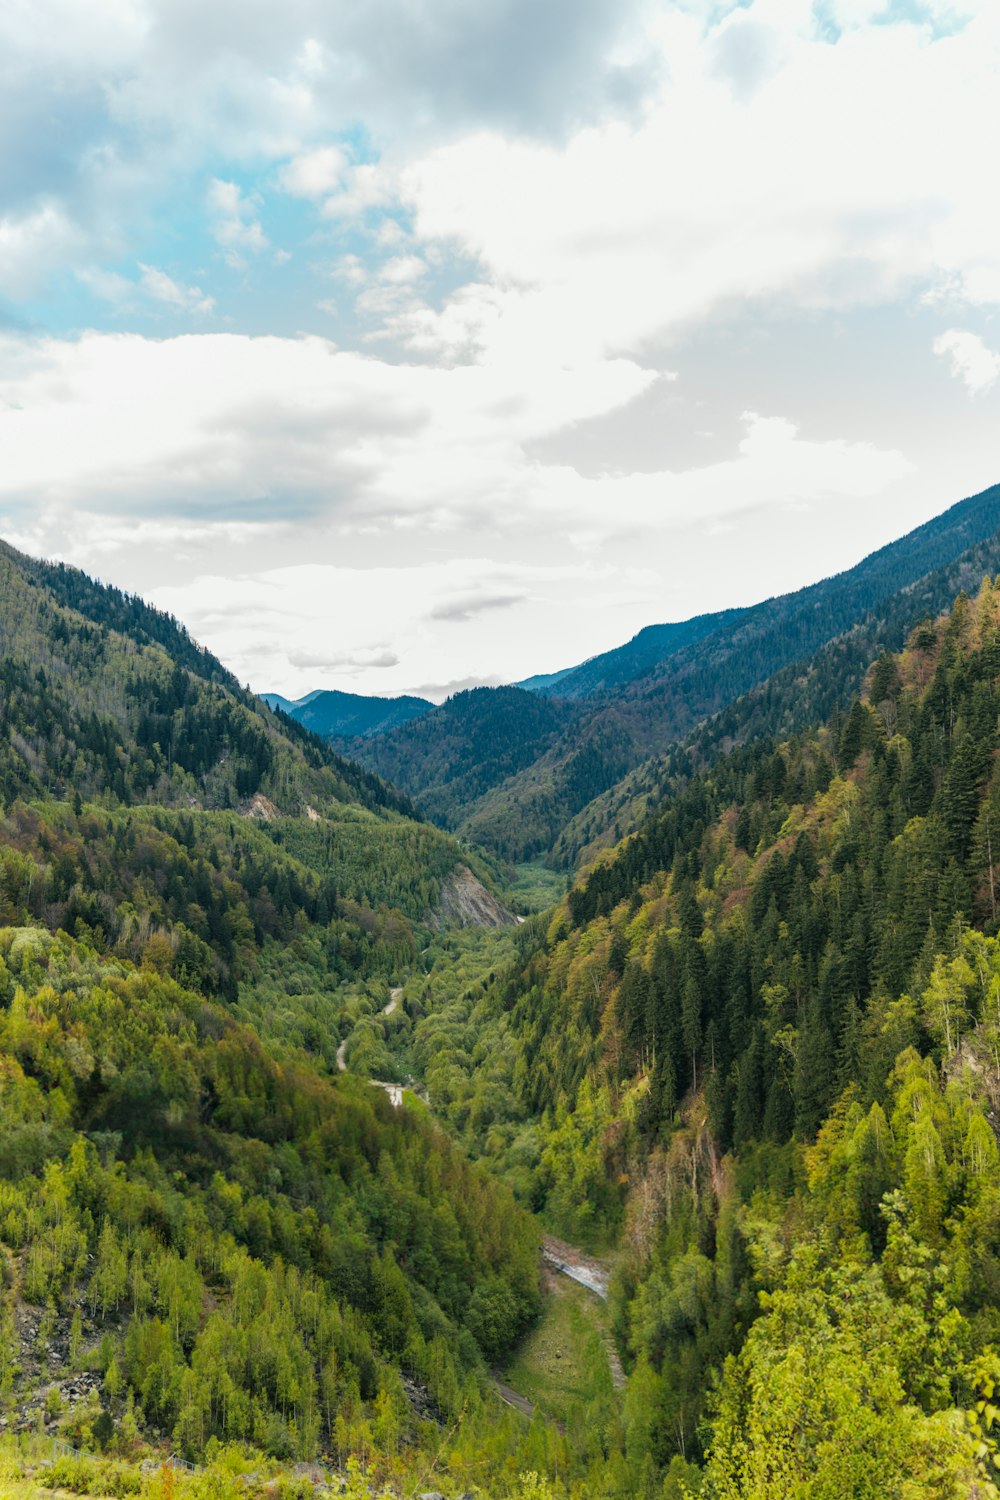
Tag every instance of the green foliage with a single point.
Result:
(787, 964)
(758, 1046)
(273, 1242)
(814, 1405)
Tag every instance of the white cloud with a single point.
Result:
(153, 285)
(314, 174)
(352, 269)
(365, 186)
(89, 539)
(608, 157)
(972, 361)
(235, 224)
(201, 424)
(356, 453)
(33, 245)
(401, 270)
(163, 288)
(629, 231)
(290, 624)
(857, 12)
(561, 199)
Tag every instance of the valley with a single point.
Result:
(327, 1135)
(499, 750)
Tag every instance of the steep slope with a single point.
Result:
(646, 650)
(244, 1250)
(92, 713)
(800, 694)
(526, 815)
(106, 696)
(127, 614)
(207, 1233)
(335, 715)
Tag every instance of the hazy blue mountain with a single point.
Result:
(545, 682)
(275, 700)
(611, 669)
(349, 715)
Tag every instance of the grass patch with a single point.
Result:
(562, 1365)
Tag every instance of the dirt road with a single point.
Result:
(387, 1010)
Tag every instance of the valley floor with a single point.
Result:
(562, 1366)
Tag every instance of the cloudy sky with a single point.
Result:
(416, 343)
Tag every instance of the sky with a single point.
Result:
(406, 346)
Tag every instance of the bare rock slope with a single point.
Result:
(465, 902)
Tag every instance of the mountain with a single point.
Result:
(752, 1052)
(104, 696)
(109, 703)
(611, 669)
(544, 681)
(522, 813)
(473, 742)
(335, 715)
(802, 693)
(286, 705)
(215, 1237)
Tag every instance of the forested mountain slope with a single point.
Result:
(803, 693)
(759, 1043)
(753, 1050)
(882, 598)
(243, 1249)
(453, 755)
(127, 614)
(102, 695)
(521, 810)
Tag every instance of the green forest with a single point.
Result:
(748, 1063)
(755, 1050)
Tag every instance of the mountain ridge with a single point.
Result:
(521, 814)
(622, 664)
(335, 715)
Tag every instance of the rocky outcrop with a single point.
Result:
(261, 808)
(465, 902)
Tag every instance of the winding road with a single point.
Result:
(394, 1090)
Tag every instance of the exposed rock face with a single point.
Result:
(261, 808)
(465, 902)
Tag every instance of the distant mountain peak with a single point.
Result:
(333, 714)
